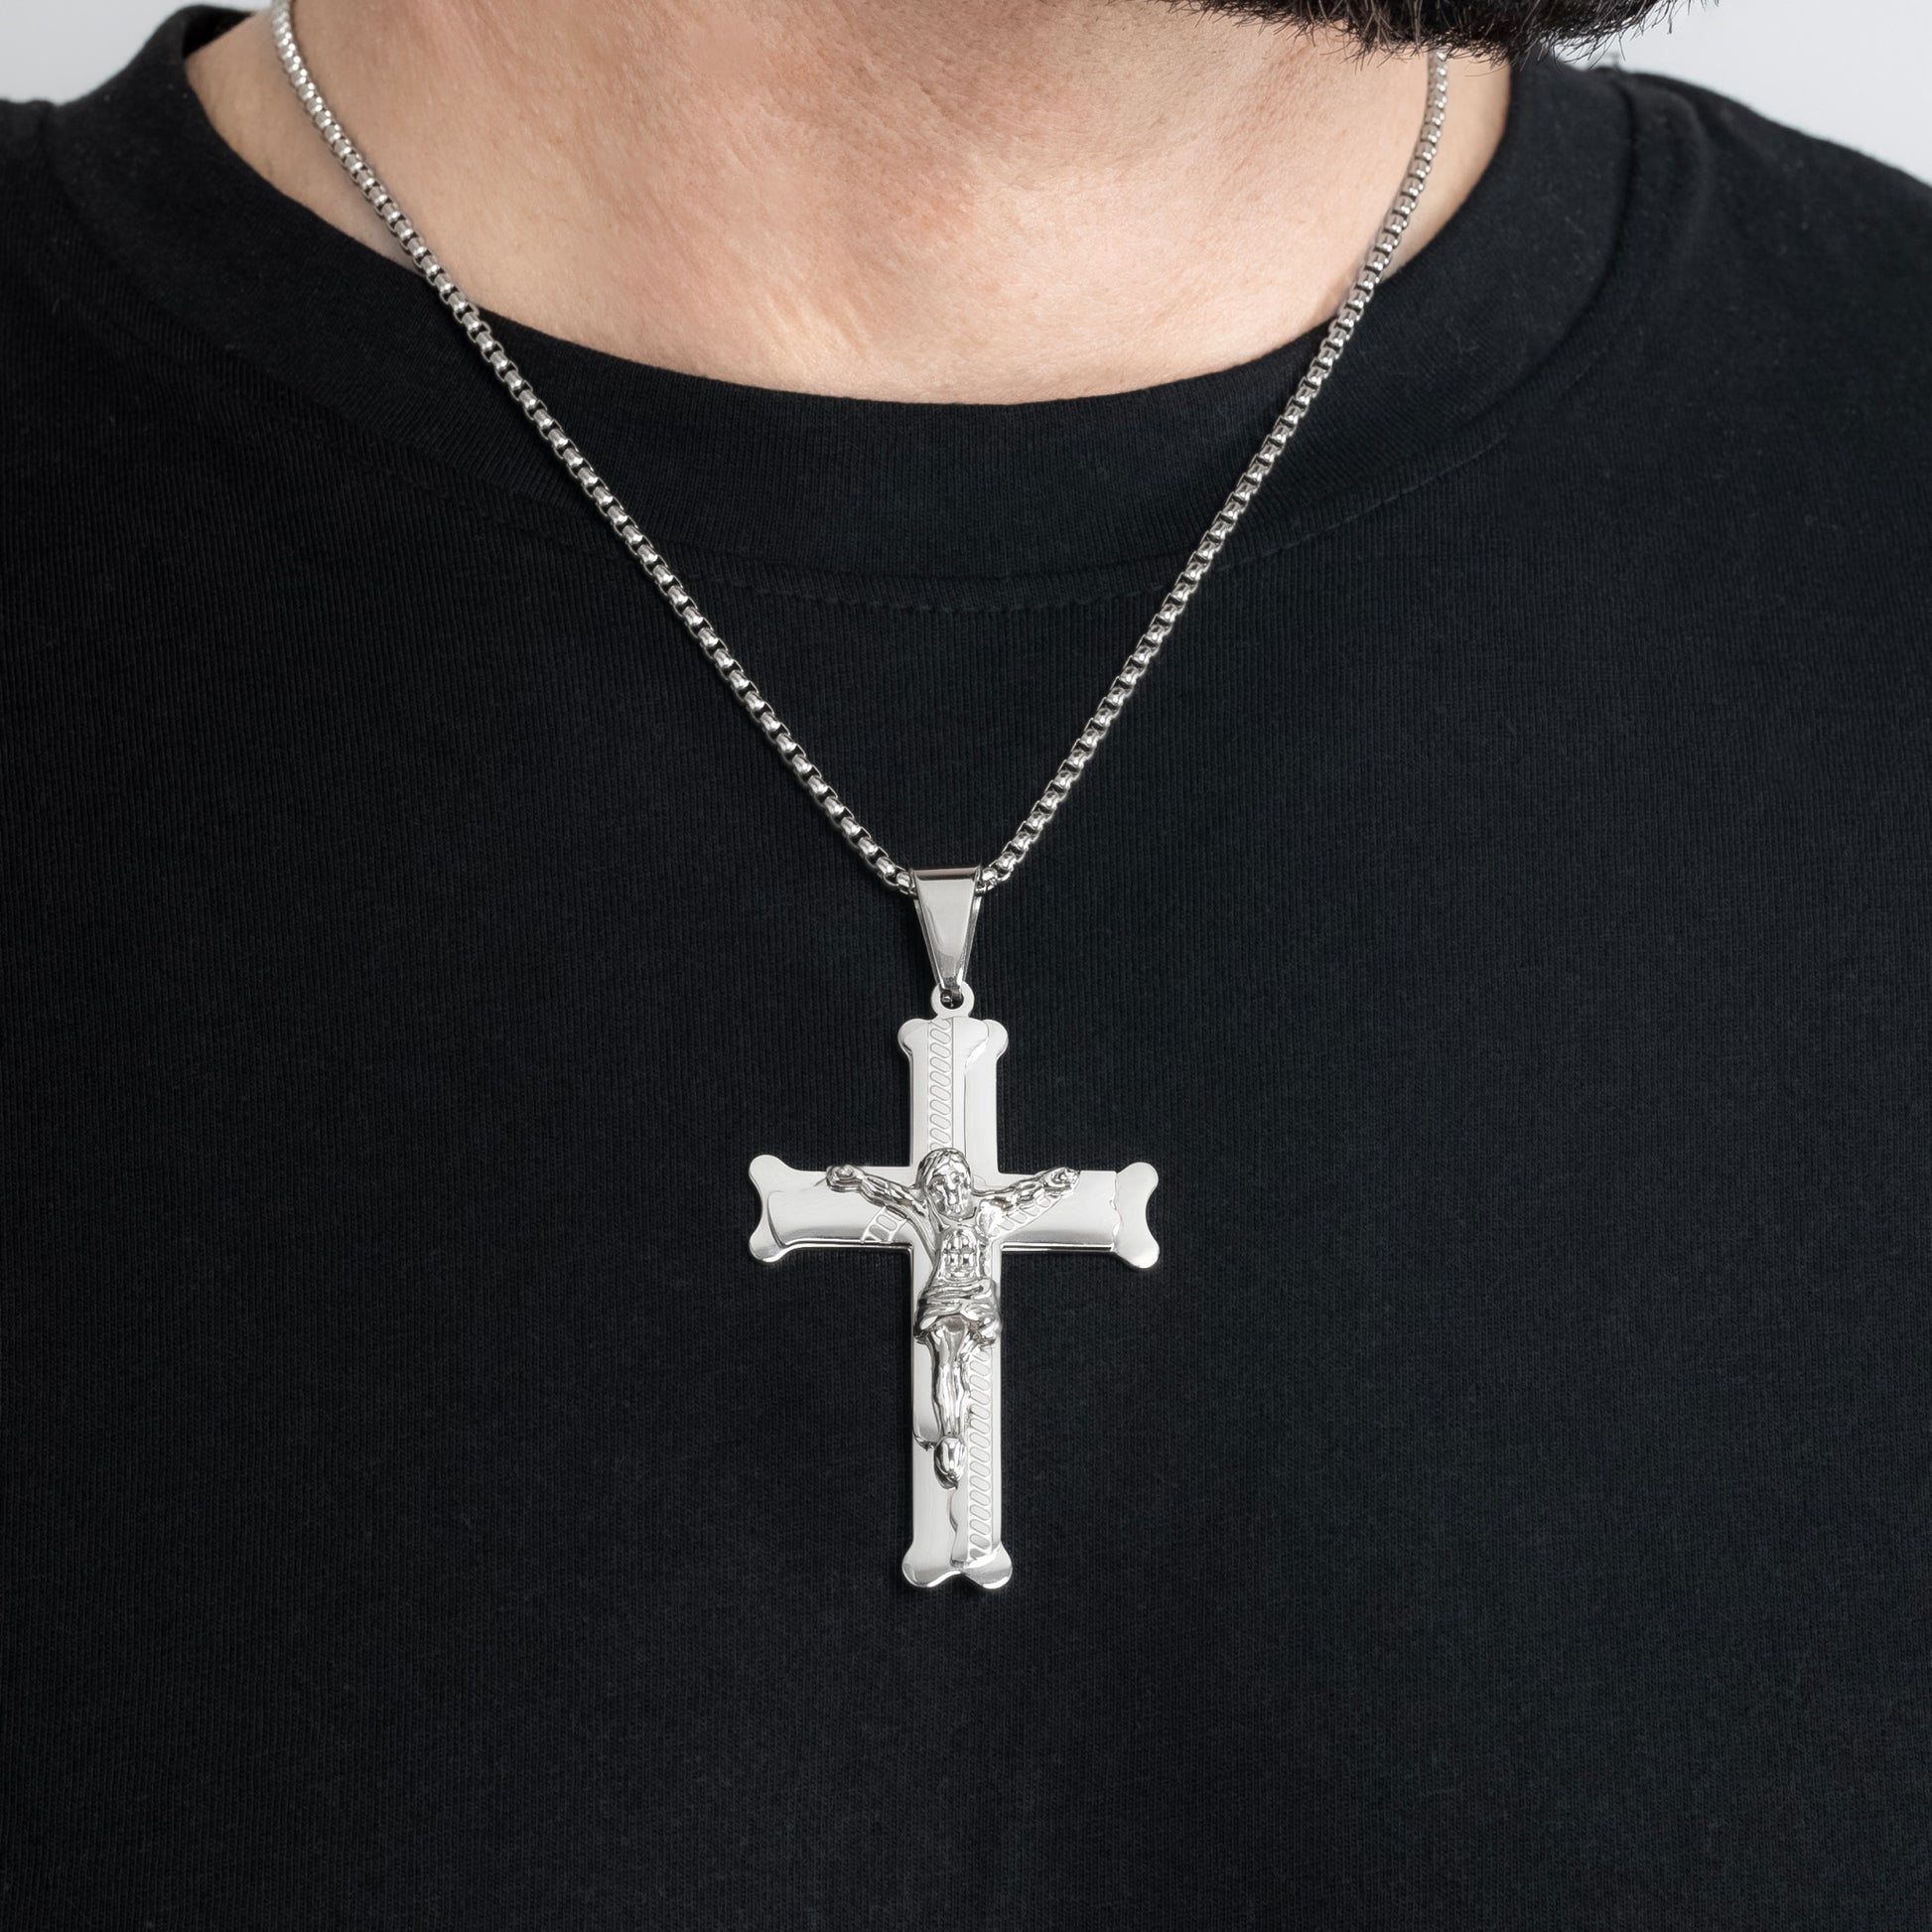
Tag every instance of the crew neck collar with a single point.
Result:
(1507, 298)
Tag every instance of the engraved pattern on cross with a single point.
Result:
(956, 1528)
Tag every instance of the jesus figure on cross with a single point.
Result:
(954, 1221)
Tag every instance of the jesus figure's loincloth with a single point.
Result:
(974, 1301)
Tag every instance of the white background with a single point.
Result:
(1858, 70)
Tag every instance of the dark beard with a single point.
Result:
(1510, 28)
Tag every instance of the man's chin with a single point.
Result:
(1505, 28)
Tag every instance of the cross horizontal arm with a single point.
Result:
(801, 1211)
(1101, 1211)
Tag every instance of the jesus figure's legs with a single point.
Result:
(949, 1338)
(955, 1332)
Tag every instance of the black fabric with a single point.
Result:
(1505, 919)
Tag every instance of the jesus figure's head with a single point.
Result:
(946, 1180)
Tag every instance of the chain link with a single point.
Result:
(469, 319)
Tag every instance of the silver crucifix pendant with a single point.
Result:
(956, 1213)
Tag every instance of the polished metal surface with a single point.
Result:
(949, 912)
(956, 1214)
(469, 317)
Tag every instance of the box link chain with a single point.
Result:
(469, 319)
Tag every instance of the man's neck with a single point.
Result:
(981, 201)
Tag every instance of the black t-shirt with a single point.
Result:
(1504, 919)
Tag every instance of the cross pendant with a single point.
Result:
(957, 1214)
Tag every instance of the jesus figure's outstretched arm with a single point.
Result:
(876, 1189)
(1047, 1186)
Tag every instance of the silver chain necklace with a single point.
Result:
(951, 1208)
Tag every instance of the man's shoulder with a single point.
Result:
(1798, 203)
(38, 237)
(41, 250)
(78, 333)
(1792, 289)
(20, 133)
(26, 181)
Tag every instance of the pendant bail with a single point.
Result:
(949, 909)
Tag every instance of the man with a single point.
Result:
(1502, 915)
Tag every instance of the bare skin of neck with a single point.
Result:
(972, 200)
